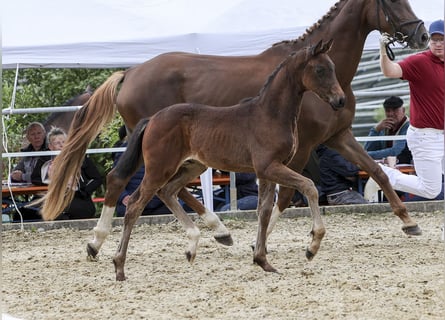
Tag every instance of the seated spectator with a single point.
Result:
(82, 206)
(35, 134)
(395, 123)
(246, 192)
(154, 207)
(338, 178)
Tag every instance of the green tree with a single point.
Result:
(48, 88)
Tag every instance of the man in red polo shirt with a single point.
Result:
(425, 73)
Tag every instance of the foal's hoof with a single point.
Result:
(252, 246)
(412, 230)
(190, 257)
(266, 266)
(225, 240)
(92, 253)
(309, 255)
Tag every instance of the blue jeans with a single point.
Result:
(246, 203)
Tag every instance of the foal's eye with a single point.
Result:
(320, 71)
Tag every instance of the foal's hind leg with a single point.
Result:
(188, 171)
(138, 200)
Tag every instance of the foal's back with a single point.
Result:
(218, 137)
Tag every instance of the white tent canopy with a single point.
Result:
(121, 33)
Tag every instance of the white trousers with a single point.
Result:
(427, 147)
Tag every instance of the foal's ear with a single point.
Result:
(328, 45)
(317, 48)
(321, 47)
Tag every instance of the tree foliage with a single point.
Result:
(48, 88)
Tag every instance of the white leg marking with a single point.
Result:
(103, 227)
(213, 222)
(276, 213)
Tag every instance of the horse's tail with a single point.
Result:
(87, 123)
(132, 158)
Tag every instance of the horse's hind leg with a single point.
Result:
(266, 192)
(115, 185)
(189, 170)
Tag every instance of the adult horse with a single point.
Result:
(256, 135)
(222, 81)
(63, 119)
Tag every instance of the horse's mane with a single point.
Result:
(315, 26)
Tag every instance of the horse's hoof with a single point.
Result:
(190, 257)
(120, 277)
(309, 255)
(92, 253)
(225, 240)
(412, 230)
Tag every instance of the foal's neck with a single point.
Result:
(282, 94)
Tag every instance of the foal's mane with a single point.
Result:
(272, 76)
(316, 25)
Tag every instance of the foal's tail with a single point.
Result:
(132, 158)
(87, 123)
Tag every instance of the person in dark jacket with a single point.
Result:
(154, 207)
(36, 135)
(338, 178)
(22, 173)
(246, 192)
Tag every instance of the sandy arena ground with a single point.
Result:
(367, 268)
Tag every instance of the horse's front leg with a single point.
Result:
(266, 192)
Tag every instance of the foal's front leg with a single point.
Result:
(288, 178)
(266, 192)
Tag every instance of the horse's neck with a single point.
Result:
(344, 24)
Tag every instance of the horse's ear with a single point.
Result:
(317, 48)
(89, 89)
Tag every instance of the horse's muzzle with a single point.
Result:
(337, 103)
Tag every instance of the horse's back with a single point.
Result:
(178, 77)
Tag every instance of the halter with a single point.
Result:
(397, 36)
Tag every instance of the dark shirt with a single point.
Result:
(28, 164)
(155, 206)
(246, 185)
(336, 173)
